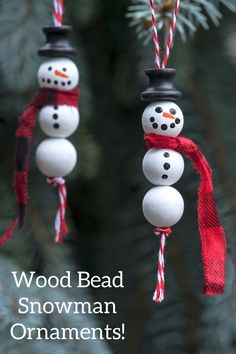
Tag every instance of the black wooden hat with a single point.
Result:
(57, 42)
(161, 86)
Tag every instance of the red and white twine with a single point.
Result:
(60, 223)
(163, 233)
(158, 63)
(58, 10)
(155, 35)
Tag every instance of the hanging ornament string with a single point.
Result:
(158, 63)
(58, 11)
(60, 223)
(163, 233)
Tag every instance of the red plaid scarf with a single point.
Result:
(211, 232)
(24, 134)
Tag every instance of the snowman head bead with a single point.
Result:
(58, 73)
(163, 117)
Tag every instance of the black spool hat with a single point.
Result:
(57, 42)
(161, 86)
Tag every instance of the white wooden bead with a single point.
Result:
(58, 121)
(163, 206)
(56, 157)
(163, 117)
(163, 167)
(58, 73)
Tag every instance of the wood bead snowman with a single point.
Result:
(56, 156)
(163, 166)
(163, 205)
(56, 107)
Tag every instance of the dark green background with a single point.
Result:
(108, 230)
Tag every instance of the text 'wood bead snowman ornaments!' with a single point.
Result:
(56, 106)
(163, 166)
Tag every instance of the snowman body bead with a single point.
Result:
(56, 156)
(163, 205)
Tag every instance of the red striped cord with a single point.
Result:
(163, 233)
(58, 11)
(158, 63)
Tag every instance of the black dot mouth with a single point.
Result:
(155, 125)
(152, 119)
(164, 176)
(55, 107)
(69, 83)
(63, 83)
(163, 127)
(177, 120)
(55, 116)
(48, 81)
(166, 154)
(172, 125)
(56, 82)
(56, 126)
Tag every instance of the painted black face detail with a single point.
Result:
(55, 107)
(56, 82)
(172, 111)
(43, 80)
(55, 116)
(159, 110)
(63, 69)
(164, 176)
(155, 125)
(166, 166)
(56, 126)
(166, 154)
(69, 83)
(177, 121)
(49, 68)
(63, 83)
(172, 125)
(163, 127)
(152, 119)
(48, 81)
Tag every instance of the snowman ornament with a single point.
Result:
(56, 156)
(55, 106)
(163, 166)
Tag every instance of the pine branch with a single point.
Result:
(192, 15)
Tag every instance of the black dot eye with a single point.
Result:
(56, 125)
(49, 68)
(166, 154)
(152, 119)
(55, 116)
(159, 110)
(64, 69)
(164, 176)
(172, 111)
(177, 121)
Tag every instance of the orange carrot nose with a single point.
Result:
(168, 115)
(59, 73)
